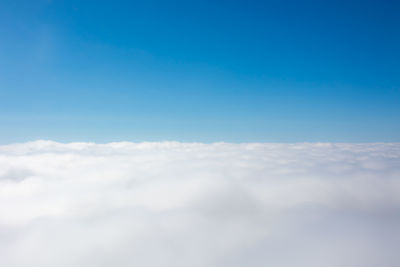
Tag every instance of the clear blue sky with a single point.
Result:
(235, 71)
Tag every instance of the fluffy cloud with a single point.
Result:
(190, 204)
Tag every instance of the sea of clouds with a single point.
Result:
(199, 205)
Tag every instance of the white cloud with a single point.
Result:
(179, 204)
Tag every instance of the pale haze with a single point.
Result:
(192, 204)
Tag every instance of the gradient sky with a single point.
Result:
(235, 71)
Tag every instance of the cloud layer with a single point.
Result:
(188, 204)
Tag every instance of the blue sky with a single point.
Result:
(234, 71)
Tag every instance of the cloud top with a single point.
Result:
(192, 204)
